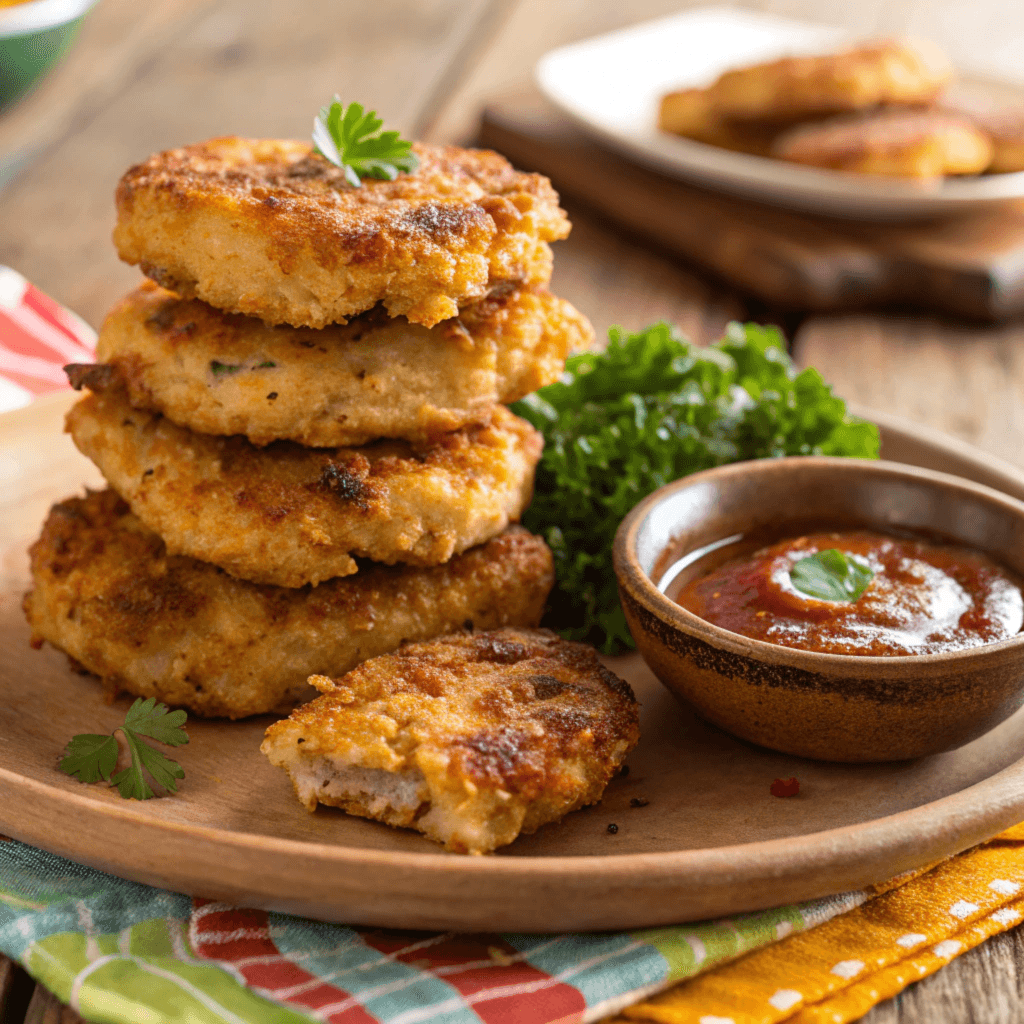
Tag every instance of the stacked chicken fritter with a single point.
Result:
(302, 420)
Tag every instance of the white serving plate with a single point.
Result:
(611, 86)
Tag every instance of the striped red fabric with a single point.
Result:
(38, 336)
(485, 975)
(241, 939)
(497, 982)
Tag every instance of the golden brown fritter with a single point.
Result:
(268, 228)
(221, 373)
(865, 76)
(289, 515)
(156, 625)
(471, 739)
(691, 113)
(898, 143)
(1000, 118)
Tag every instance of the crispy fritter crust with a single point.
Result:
(869, 75)
(221, 373)
(157, 625)
(289, 515)
(471, 738)
(268, 228)
(904, 144)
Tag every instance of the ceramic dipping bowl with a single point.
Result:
(33, 37)
(826, 706)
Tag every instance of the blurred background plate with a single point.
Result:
(611, 85)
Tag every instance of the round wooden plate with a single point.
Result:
(709, 841)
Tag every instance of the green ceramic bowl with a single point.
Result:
(33, 37)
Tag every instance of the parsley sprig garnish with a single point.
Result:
(90, 757)
(348, 137)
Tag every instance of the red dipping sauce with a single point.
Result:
(924, 598)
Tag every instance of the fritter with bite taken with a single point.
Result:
(106, 591)
(221, 373)
(289, 515)
(269, 228)
(472, 739)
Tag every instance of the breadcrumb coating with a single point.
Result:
(268, 228)
(106, 591)
(376, 377)
(289, 515)
(472, 739)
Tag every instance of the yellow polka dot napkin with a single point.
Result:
(836, 972)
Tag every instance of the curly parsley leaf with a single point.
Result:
(831, 575)
(649, 409)
(350, 138)
(91, 758)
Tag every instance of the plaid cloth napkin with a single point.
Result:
(122, 953)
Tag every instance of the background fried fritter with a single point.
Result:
(268, 228)
(289, 515)
(864, 76)
(156, 625)
(897, 143)
(471, 738)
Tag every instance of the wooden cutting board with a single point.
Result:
(710, 841)
(971, 265)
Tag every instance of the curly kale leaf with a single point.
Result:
(648, 410)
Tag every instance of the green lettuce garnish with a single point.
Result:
(648, 410)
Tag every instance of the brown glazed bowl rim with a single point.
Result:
(636, 582)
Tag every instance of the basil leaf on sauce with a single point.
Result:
(219, 369)
(831, 575)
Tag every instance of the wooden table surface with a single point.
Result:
(148, 77)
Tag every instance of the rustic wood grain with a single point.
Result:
(619, 281)
(81, 85)
(984, 986)
(7, 976)
(965, 380)
(243, 69)
(530, 29)
(16, 989)
(46, 1008)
